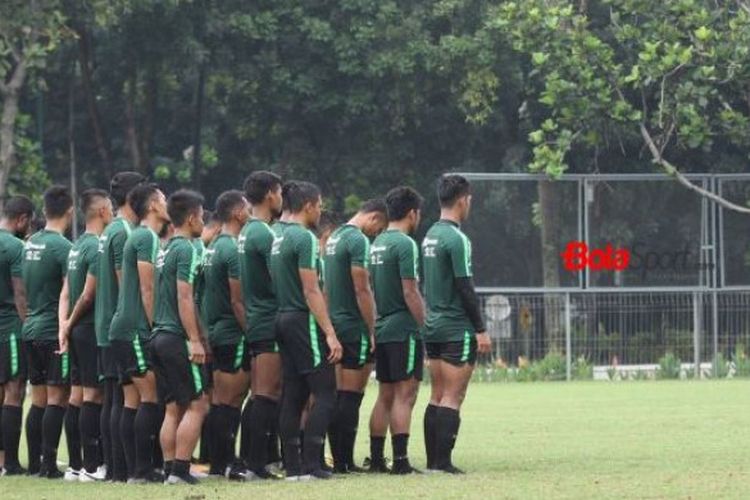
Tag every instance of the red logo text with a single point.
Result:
(578, 256)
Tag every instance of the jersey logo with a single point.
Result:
(376, 255)
(241, 243)
(331, 245)
(276, 247)
(160, 259)
(102, 242)
(34, 251)
(428, 247)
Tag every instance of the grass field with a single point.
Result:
(547, 440)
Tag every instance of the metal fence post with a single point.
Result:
(568, 353)
(715, 328)
(696, 335)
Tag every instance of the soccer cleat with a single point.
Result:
(376, 466)
(72, 475)
(181, 479)
(241, 474)
(13, 470)
(451, 469)
(319, 474)
(53, 473)
(403, 467)
(89, 477)
(297, 478)
(355, 469)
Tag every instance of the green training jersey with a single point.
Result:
(111, 246)
(446, 254)
(178, 261)
(295, 248)
(83, 260)
(394, 256)
(11, 259)
(130, 317)
(220, 264)
(45, 264)
(347, 247)
(199, 285)
(254, 247)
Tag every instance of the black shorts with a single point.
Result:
(301, 343)
(180, 381)
(46, 367)
(132, 359)
(455, 353)
(83, 356)
(263, 347)
(231, 358)
(12, 359)
(106, 365)
(356, 354)
(399, 361)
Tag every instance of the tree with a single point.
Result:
(29, 32)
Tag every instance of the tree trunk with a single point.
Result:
(550, 233)
(147, 134)
(10, 93)
(131, 125)
(197, 143)
(100, 136)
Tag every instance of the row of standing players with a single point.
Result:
(160, 337)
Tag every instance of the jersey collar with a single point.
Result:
(452, 223)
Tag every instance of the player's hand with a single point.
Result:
(62, 338)
(334, 349)
(372, 342)
(197, 352)
(484, 344)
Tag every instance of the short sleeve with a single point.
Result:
(359, 251)
(16, 258)
(92, 258)
(307, 251)
(118, 245)
(460, 252)
(233, 262)
(147, 247)
(408, 256)
(187, 263)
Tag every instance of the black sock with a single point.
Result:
(400, 444)
(90, 435)
(11, 430)
(334, 434)
(180, 468)
(234, 415)
(377, 449)
(261, 415)
(158, 456)
(204, 454)
(145, 433)
(168, 464)
(104, 426)
(350, 403)
(212, 425)
(52, 424)
(127, 435)
(429, 434)
(446, 428)
(245, 431)
(322, 386)
(73, 437)
(34, 437)
(274, 454)
(119, 464)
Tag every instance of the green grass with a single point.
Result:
(563, 440)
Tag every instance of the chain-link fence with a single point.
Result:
(685, 292)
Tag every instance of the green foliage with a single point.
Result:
(741, 362)
(582, 369)
(720, 367)
(669, 366)
(551, 367)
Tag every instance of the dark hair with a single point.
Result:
(123, 183)
(285, 188)
(88, 198)
(181, 204)
(450, 188)
(259, 184)
(327, 222)
(401, 200)
(373, 205)
(302, 193)
(57, 201)
(18, 205)
(227, 202)
(139, 198)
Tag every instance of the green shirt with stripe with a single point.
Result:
(200, 284)
(394, 256)
(111, 247)
(45, 265)
(130, 320)
(295, 248)
(220, 264)
(254, 247)
(347, 247)
(178, 261)
(83, 260)
(11, 259)
(446, 255)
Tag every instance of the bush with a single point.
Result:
(741, 362)
(551, 367)
(582, 369)
(721, 367)
(669, 366)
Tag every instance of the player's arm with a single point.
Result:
(238, 304)
(62, 317)
(186, 268)
(85, 302)
(413, 299)
(408, 263)
(118, 247)
(146, 282)
(318, 308)
(365, 299)
(19, 297)
(464, 283)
